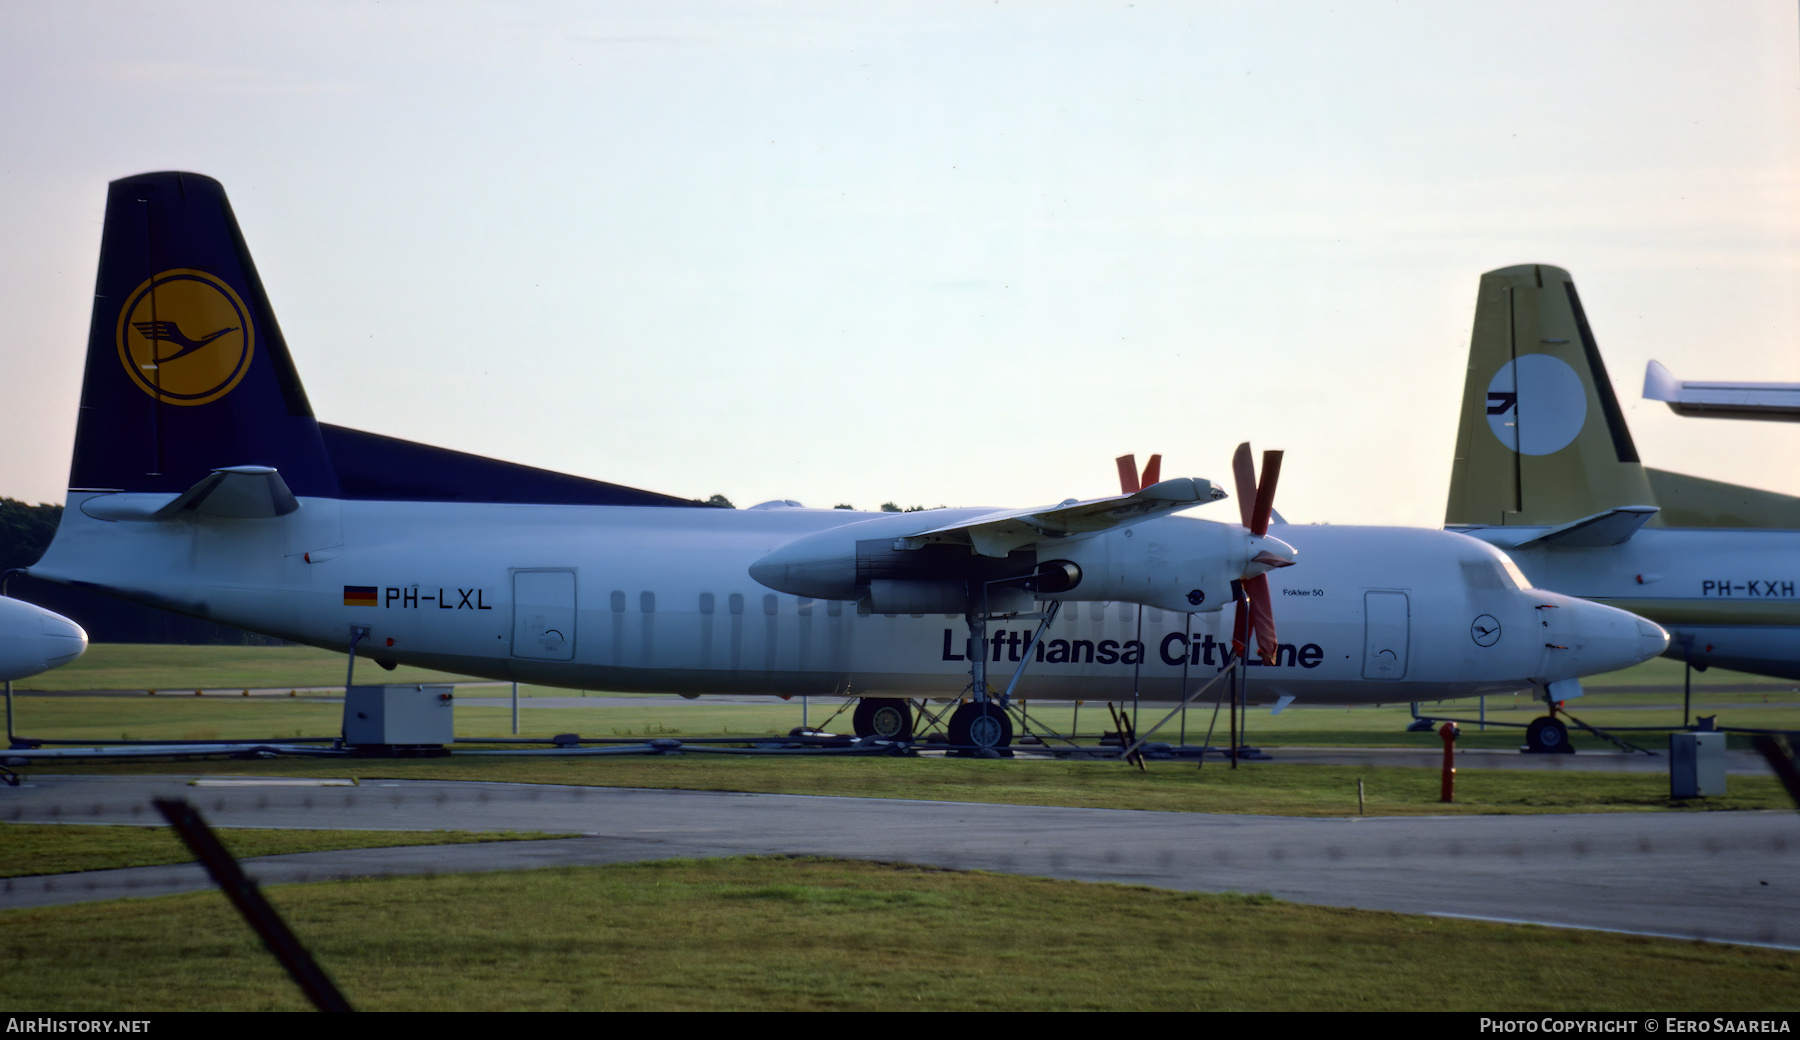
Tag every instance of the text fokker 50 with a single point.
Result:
(202, 484)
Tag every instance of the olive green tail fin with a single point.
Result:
(1542, 440)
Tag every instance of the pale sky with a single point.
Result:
(957, 253)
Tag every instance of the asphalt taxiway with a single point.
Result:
(1723, 876)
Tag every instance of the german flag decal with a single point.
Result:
(359, 596)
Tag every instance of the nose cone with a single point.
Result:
(63, 640)
(1266, 554)
(810, 567)
(771, 570)
(1590, 638)
(34, 640)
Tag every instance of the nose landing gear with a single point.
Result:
(1548, 736)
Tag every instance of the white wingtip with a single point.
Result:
(1660, 384)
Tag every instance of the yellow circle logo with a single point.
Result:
(185, 337)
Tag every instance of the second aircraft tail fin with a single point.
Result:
(1542, 440)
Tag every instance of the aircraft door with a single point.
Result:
(544, 615)
(1387, 621)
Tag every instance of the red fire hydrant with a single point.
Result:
(1449, 732)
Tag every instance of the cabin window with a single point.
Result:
(834, 608)
(647, 602)
(706, 603)
(618, 602)
(771, 604)
(805, 606)
(736, 603)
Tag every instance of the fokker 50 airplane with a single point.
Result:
(1546, 469)
(202, 484)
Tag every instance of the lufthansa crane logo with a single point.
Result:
(185, 337)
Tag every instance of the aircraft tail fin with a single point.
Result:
(188, 374)
(187, 371)
(1542, 439)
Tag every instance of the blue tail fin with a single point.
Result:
(186, 369)
(187, 373)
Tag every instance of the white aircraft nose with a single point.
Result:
(1583, 638)
(34, 640)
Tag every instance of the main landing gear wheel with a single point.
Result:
(984, 727)
(884, 718)
(1548, 736)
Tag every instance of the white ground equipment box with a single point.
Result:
(405, 716)
(1696, 765)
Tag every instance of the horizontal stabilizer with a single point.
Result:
(1613, 527)
(1769, 402)
(236, 492)
(371, 466)
(996, 534)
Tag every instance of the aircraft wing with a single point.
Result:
(1769, 402)
(996, 534)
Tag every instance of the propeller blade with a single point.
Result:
(1262, 616)
(1243, 472)
(1152, 472)
(1265, 493)
(1128, 478)
(1240, 625)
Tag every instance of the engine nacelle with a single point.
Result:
(849, 562)
(1175, 563)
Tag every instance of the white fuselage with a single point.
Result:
(1728, 597)
(661, 600)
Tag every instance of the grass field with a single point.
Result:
(175, 713)
(166, 717)
(780, 934)
(1271, 788)
(1171, 785)
(54, 848)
